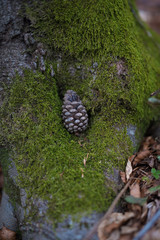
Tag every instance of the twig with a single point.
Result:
(155, 93)
(110, 210)
(148, 226)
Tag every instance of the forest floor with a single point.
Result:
(141, 200)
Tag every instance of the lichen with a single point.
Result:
(50, 161)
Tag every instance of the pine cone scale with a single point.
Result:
(74, 113)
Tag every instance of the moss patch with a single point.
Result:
(105, 32)
(49, 159)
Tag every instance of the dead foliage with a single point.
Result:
(6, 234)
(143, 200)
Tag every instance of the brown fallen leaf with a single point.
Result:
(152, 235)
(6, 234)
(128, 169)
(115, 235)
(123, 176)
(125, 237)
(85, 160)
(151, 162)
(135, 190)
(146, 143)
(140, 156)
(128, 229)
(153, 208)
(113, 222)
(144, 213)
(156, 148)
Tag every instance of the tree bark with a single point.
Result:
(101, 50)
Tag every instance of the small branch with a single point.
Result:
(148, 226)
(110, 210)
(155, 93)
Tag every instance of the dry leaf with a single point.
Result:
(6, 234)
(147, 142)
(135, 190)
(128, 230)
(152, 235)
(140, 156)
(144, 212)
(125, 237)
(114, 221)
(128, 169)
(152, 161)
(82, 170)
(123, 177)
(114, 236)
(153, 208)
(84, 162)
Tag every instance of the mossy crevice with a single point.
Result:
(115, 92)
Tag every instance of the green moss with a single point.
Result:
(82, 27)
(49, 159)
(103, 31)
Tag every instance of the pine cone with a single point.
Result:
(74, 113)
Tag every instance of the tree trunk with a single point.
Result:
(58, 183)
